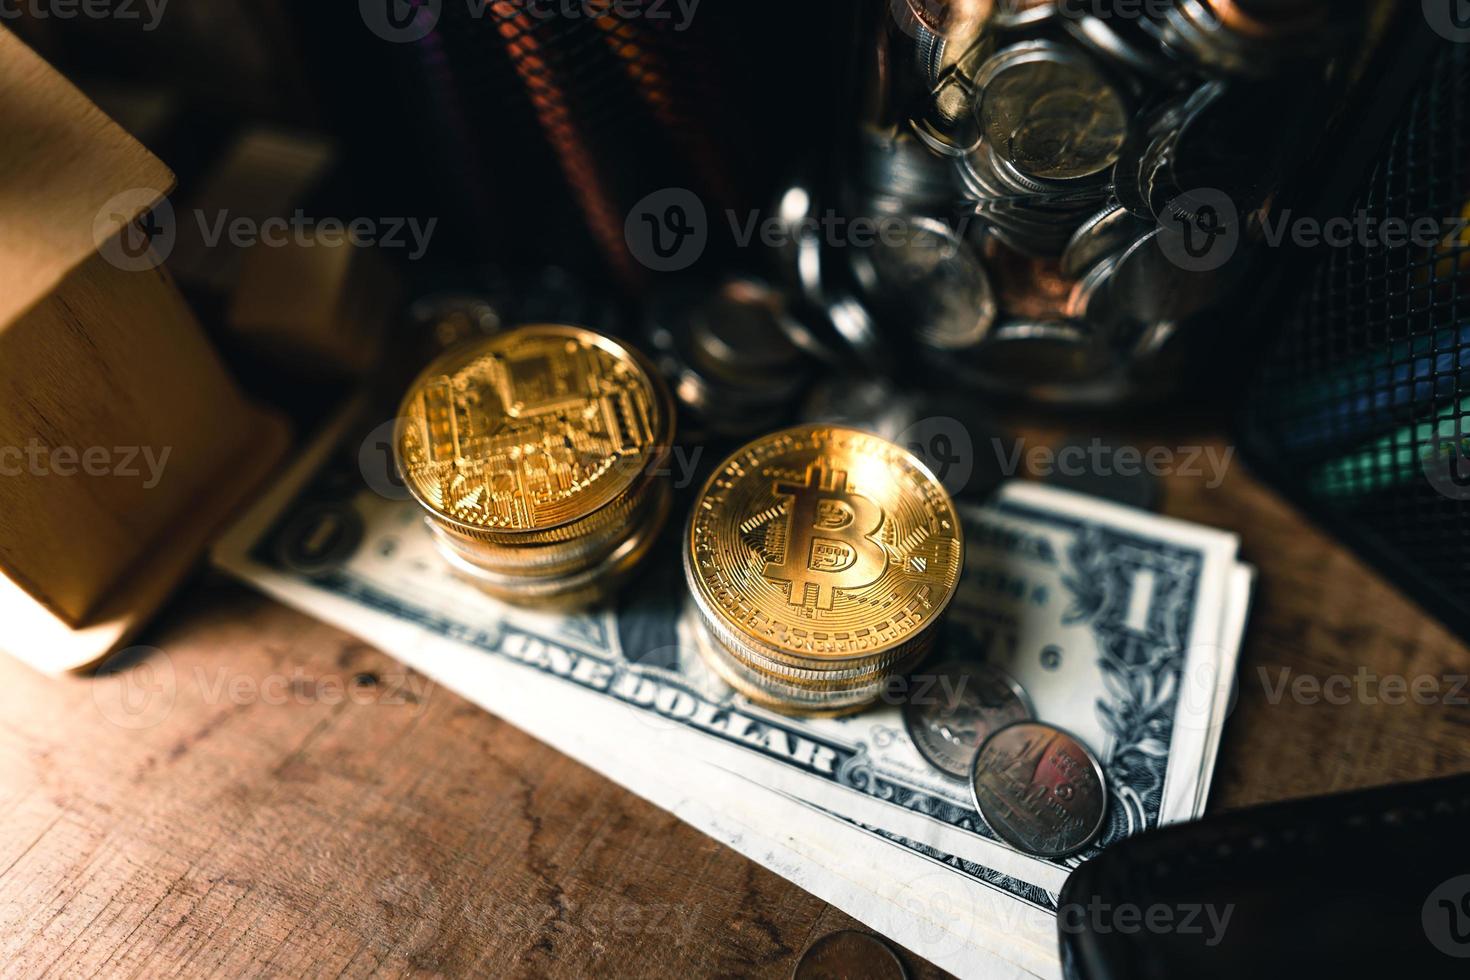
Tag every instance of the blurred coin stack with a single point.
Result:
(819, 560)
(727, 355)
(539, 456)
(1066, 193)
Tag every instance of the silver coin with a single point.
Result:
(1024, 14)
(934, 276)
(794, 212)
(1050, 111)
(947, 127)
(1111, 230)
(737, 332)
(1257, 43)
(1111, 37)
(951, 709)
(826, 320)
(1148, 286)
(1088, 298)
(903, 170)
(1039, 789)
(725, 355)
(1224, 142)
(1140, 152)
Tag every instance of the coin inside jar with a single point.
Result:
(933, 275)
(951, 708)
(1050, 112)
(1039, 789)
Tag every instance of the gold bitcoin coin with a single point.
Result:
(541, 434)
(585, 587)
(556, 558)
(823, 546)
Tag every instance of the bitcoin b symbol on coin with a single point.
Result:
(827, 545)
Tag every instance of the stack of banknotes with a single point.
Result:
(1122, 627)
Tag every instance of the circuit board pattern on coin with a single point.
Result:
(824, 542)
(530, 430)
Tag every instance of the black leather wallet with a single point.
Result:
(1371, 883)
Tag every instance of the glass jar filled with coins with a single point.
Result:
(539, 458)
(1062, 196)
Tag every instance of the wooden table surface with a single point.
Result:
(270, 796)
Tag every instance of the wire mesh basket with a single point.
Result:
(1361, 405)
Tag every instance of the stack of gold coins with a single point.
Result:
(819, 560)
(539, 457)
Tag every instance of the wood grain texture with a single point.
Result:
(287, 801)
(268, 823)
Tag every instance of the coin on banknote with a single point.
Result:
(537, 456)
(536, 435)
(1040, 789)
(848, 954)
(951, 708)
(1050, 111)
(820, 558)
(824, 544)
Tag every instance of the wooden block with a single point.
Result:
(123, 441)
